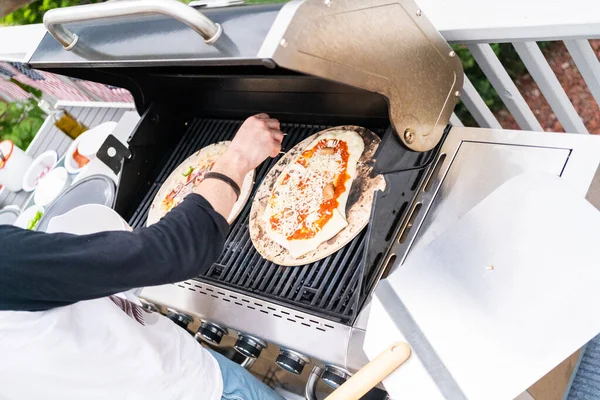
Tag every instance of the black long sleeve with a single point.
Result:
(39, 271)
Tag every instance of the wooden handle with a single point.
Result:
(372, 373)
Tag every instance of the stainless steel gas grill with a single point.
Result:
(312, 64)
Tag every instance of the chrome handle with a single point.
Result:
(54, 19)
(310, 390)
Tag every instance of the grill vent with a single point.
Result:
(255, 306)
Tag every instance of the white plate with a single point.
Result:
(51, 186)
(8, 215)
(89, 142)
(88, 219)
(70, 163)
(41, 166)
(27, 215)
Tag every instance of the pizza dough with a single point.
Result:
(308, 204)
(187, 176)
(345, 221)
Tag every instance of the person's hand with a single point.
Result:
(258, 138)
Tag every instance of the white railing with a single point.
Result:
(523, 23)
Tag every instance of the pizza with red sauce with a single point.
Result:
(187, 176)
(308, 202)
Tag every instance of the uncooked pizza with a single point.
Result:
(308, 204)
(187, 176)
(317, 197)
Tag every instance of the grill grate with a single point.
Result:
(329, 287)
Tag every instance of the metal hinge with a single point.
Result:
(113, 154)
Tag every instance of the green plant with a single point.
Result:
(20, 121)
(34, 12)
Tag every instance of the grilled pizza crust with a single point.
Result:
(202, 158)
(327, 167)
(357, 210)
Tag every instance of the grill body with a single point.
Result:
(311, 64)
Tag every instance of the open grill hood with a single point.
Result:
(386, 48)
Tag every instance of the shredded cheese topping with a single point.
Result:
(298, 206)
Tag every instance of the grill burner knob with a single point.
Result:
(334, 377)
(249, 346)
(291, 361)
(181, 319)
(211, 333)
(147, 305)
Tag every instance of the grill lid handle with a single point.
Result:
(54, 19)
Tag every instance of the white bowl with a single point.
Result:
(38, 169)
(27, 216)
(9, 214)
(88, 219)
(92, 140)
(70, 164)
(88, 144)
(13, 164)
(50, 186)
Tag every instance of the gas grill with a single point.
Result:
(310, 63)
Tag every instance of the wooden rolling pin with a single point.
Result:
(372, 373)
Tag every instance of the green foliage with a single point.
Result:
(34, 12)
(20, 121)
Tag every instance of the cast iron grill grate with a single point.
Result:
(330, 288)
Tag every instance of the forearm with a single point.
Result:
(41, 271)
(218, 193)
(258, 137)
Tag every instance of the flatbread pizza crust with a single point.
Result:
(200, 159)
(358, 206)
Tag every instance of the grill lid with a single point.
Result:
(388, 47)
(385, 46)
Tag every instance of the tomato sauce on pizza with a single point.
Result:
(311, 189)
